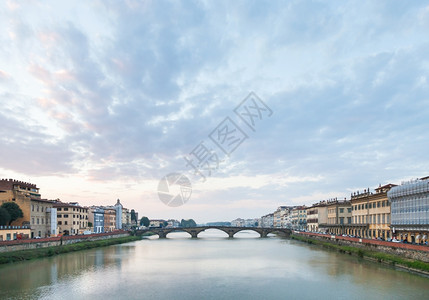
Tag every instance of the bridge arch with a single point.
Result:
(254, 229)
(177, 230)
(215, 229)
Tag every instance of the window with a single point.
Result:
(37, 207)
(42, 208)
(384, 218)
(37, 221)
(43, 221)
(383, 204)
(349, 210)
(378, 218)
(60, 223)
(366, 205)
(66, 216)
(59, 209)
(65, 222)
(32, 207)
(349, 220)
(378, 204)
(341, 210)
(370, 205)
(32, 221)
(74, 223)
(66, 209)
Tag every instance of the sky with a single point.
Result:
(100, 100)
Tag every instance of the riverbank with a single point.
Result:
(21, 255)
(390, 259)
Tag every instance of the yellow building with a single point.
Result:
(36, 211)
(339, 216)
(371, 213)
(9, 233)
(71, 218)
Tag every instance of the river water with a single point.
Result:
(210, 267)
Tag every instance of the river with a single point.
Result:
(210, 267)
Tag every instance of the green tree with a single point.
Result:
(188, 223)
(144, 221)
(14, 211)
(4, 217)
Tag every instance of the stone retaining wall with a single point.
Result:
(416, 252)
(6, 246)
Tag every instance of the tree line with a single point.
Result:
(9, 212)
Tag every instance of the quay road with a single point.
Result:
(194, 231)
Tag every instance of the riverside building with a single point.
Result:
(36, 211)
(410, 210)
(371, 213)
(317, 214)
(339, 216)
(71, 217)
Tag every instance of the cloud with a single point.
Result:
(121, 92)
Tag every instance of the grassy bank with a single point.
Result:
(14, 256)
(381, 257)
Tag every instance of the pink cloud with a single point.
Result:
(4, 75)
(40, 73)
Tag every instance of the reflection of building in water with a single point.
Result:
(410, 210)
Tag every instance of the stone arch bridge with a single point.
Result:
(194, 231)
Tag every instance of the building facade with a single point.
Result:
(36, 211)
(317, 214)
(299, 218)
(339, 216)
(41, 218)
(72, 218)
(109, 219)
(371, 213)
(410, 211)
(280, 216)
(96, 218)
(10, 233)
(118, 220)
(267, 221)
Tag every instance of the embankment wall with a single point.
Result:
(7, 246)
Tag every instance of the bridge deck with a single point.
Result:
(231, 231)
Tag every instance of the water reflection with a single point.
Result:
(25, 277)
